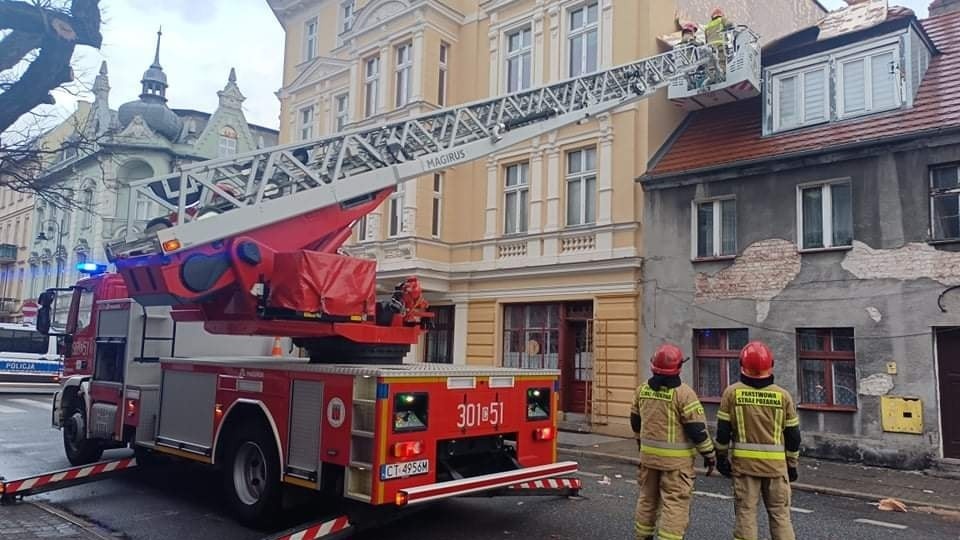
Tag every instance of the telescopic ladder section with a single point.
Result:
(245, 235)
(269, 186)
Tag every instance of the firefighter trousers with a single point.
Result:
(747, 490)
(668, 492)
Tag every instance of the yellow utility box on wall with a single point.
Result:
(901, 414)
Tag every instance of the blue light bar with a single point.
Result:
(91, 268)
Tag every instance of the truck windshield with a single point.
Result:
(23, 341)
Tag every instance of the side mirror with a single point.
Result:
(47, 323)
(45, 300)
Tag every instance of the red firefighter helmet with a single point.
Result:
(689, 27)
(717, 12)
(756, 360)
(667, 360)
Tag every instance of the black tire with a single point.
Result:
(79, 449)
(251, 476)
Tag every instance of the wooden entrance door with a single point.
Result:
(948, 360)
(576, 366)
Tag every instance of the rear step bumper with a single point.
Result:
(477, 484)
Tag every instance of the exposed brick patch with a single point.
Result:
(760, 273)
(912, 261)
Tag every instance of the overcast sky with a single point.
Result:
(202, 40)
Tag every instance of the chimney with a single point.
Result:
(939, 7)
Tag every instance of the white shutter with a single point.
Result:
(814, 96)
(854, 87)
(787, 102)
(883, 81)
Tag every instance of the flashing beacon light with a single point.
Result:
(91, 268)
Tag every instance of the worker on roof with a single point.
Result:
(715, 34)
(757, 422)
(670, 427)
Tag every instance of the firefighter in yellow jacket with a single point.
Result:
(670, 426)
(757, 423)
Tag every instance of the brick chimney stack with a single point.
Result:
(939, 7)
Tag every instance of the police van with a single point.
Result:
(26, 355)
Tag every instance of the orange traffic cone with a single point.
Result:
(277, 348)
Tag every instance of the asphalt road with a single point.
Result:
(181, 501)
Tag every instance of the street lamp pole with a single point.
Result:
(60, 234)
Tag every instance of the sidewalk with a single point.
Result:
(34, 521)
(913, 488)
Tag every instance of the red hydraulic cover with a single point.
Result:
(314, 282)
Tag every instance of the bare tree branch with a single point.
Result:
(58, 32)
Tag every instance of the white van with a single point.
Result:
(27, 355)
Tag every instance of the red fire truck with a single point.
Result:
(177, 353)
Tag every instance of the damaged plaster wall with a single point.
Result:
(760, 273)
(912, 261)
(885, 287)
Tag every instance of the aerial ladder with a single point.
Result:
(233, 223)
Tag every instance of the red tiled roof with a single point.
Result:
(732, 134)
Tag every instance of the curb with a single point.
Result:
(918, 505)
(87, 527)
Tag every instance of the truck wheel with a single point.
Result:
(79, 449)
(252, 476)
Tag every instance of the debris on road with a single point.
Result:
(891, 505)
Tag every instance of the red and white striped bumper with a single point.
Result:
(326, 530)
(487, 482)
(548, 484)
(63, 478)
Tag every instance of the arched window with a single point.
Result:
(87, 208)
(130, 171)
(228, 142)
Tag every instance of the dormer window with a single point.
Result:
(834, 86)
(868, 83)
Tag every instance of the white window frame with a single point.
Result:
(436, 205)
(371, 86)
(522, 185)
(443, 73)
(524, 55)
(717, 227)
(363, 228)
(800, 74)
(341, 115)
(833, 61)
(580, 33)
(866, 57)
(310, 38)
(347, 13)
(395, 212)
(826, 213)
(306, 118)
(403, 79)
(227, 145)
(581, 177)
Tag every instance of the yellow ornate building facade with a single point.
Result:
(531, 257)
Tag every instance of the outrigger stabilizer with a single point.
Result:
(11, 490)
